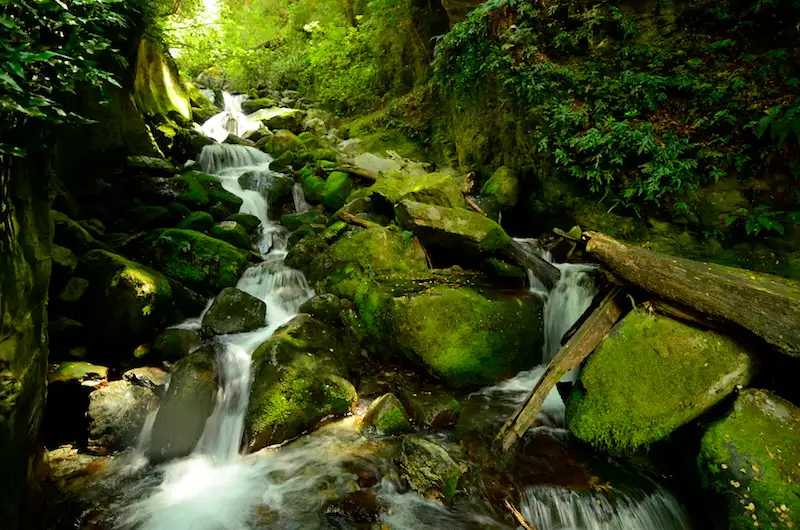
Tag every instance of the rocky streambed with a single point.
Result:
(293, 334)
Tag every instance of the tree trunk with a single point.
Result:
(544, 271)
(765, 305)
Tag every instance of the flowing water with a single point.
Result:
(297, 486)
(231, 120)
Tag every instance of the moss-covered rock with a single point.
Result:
(750, 458)
(157, 85)
(234, 311)
(73, 290)
(386, 415)
(117, 413)
(185, 408)
(338, 187)
(286, 119)
(272, 186)
(201, 191)
(253, 105)
(428, 468)
(282, 141)
(233, 233)
(149, 217)
(71, 234)
(439, 189)
(294, 221)
(299, 377)
(126, 302)
(198, 260)
(464, 338)
(312, 182)
(197, 221)
(367, 253)
(173, 344)
(283, 162)
(78, 372)
(431, 409)
(326, 307)
(651, 375)
(327, 155)
(249, 222)
(500, 192)
(457, 230)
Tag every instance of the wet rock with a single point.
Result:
(74, 290)
(234, 311)
(67, 462)
(155, 379)
(196, 259)
(71, 234)
(198, 221)
(386, 415)
(249, 222)
(80, 373)
(326, 307)
(126, 302)
(187, 404)
(457, 230)
(428, 468)
(338, 187)
(199, 191)
(117, 413)
(288, 119)
(232, 139)
(651, 375)
(253, 105)
(502, 270)
(357, 507)
(273, 187)
(152, 165)
(500, 192)
(462, 337)
(282, 141)
(431, 188)
(294, 221)
(299, 377)
(750, 458)
(173, 344)
(233, 233)
(431, 410)
(283, 162)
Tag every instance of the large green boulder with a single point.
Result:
(253, 105)
(185, 407)
(234, 311)
(125, 303)
(117, 413)
(293, 221)
(198, 221)
(299, 377)
(173, 344)
(248, 221)
(338, 187)
(198, 260)
(233, 233)
(387, 416)
(428, 468)
(439, 189)
(464, 338)
(500, 192)
(751, 458)
(283, 141)
(651, 375)
(371, 252)
(453, 229)
(201, 191)
(313, 184)
(288, 119)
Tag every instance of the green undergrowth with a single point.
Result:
(636, 115)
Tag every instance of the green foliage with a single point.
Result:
(641, 122)
(49, 49)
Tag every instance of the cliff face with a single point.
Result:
(25, 240)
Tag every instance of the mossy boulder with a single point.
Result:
(253, 105)
(326, 307)
(453, 229)
(750, 458)
(338, 187)
(126, 303)
(198, 260)
(71, 234)
(439, 189)
(312, 182)
(197, 221)
(282, 141)
(367, 253)
(428, 468)
(651, 375)
(431, 409)
(201, 191)
(299, 377)
(148, 217)
(294, 221)
(286, 119)
(233, 233)
(234, 311)
(185, 408)
(272, 186)
(173, 344)
(464, 338)
(117, 412)
(327, 155)
(500, 192)
(387, 416)
(74, 290)
(283, 162)
(249, 222)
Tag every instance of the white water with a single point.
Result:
(299, 199)
(230, 121)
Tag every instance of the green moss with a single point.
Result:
(294, 221)
(388, 416)
(328, 155)
(467, 339)
(649, 377)
(157, 85)
(432, 188)
(751, 458)
(173, 344)
(197, 259)
(313, 184)
(233, 233)
(198, 221)
(337, 188)
(428, 468)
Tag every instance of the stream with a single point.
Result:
(300, 484)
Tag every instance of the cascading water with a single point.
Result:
(231, 120)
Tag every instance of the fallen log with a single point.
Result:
(571, 355)
(357, 172)
(765, 305)
(349, 218)
(474, 205)
(544, 271)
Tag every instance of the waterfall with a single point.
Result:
(299, 198)
(551, 508)
(231, 120)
